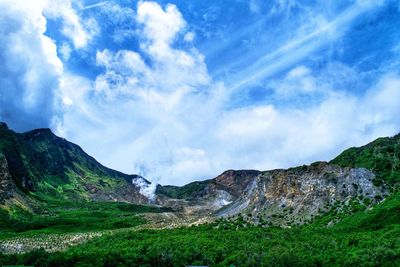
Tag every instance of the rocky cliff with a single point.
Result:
(295, 195)
(41, 165)
(298, 194)
(7, 185)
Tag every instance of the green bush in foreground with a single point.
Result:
(367, 238)
(65, 217)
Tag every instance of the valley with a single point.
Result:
(60, 207)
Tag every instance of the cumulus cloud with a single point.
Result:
(30, 70)
(142, 103)
(272, 137)
(172, 71)
(163, 117)
(117, 20)
(79, 31)
(156, 111)
(65, 51)
(161, 27)
(298, 81)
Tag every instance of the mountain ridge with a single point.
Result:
(42, 163)
(45, 167)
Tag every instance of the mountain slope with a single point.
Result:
(357, 177)
(381, 156)
(45, 166)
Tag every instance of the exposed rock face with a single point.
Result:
(303, 191)
(7, 185)
(294, 193)
(40, 161)
(205, 197)
(234, 182)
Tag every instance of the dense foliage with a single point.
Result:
(64, 217)
(346, 234)
(179, 192)
(382, 156)
(367, 238)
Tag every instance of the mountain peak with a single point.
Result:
(3, 125)
(41, 131)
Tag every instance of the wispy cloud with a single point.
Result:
(99, 4)
(297, 49)
(153, 108)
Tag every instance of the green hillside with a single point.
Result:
(353, 233)
(46, 167)
(367, 238)
(381, 156)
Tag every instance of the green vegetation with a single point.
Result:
(367, 238)
(66, 217)
(58, 180)
(381, 156)
(45, 164)
(185, 192)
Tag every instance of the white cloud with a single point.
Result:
(189, 37)
(171, 66)
(65, 51)
(271, 137)
(297, 82)
(315, 34)
(167, 120)
(170, 70)
(74, 27)
(157, 112)
(160, 26)
(118, 20)
(30, 70)
(125, 73)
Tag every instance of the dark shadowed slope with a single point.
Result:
(44, 166)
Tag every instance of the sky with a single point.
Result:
(180, 90)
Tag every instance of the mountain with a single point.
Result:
(381, 156)
(358, 176)
(38, 165)
(53, 197)
(285, 197)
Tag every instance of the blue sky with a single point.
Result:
(182, 90)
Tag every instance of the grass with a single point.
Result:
(184, 192)
(69, 217)
(345, 235)
(369, 237)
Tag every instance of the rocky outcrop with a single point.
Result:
(7, 185)
(40, 161)
(303, 192)
(294, 194)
